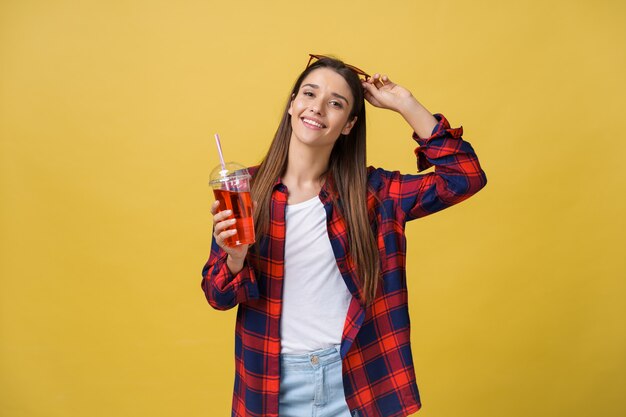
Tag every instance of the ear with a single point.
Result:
(348, 127)
(290, 109)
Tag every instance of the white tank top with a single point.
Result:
(315, 297)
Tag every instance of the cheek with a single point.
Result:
(296, 107)
(340, 122)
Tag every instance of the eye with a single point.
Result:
(308, 93)
(336, 104)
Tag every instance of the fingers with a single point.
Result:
(218, 216)
(371, 93)
(223, 230)
(221, 222)
(223, 225)
(385, 80)
(370, 86)
(379, 80)
(375, 81)
(222, 215)
(220, 238)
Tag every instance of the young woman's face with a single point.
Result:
(320, 109)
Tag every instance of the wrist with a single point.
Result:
(234, 265)
(418, 117)
(407, 106)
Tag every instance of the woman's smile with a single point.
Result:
(312, 123)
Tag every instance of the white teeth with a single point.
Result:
(314, 123)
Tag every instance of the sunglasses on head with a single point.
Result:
(362, 74)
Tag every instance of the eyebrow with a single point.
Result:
(334, 94)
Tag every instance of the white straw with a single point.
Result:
(219, 150)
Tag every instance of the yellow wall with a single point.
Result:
(107, 111)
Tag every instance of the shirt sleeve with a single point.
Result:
(457, 174)
(222, 289)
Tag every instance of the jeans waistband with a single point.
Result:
(311, 360)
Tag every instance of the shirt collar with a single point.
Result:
(327, 193)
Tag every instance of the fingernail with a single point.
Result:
(228, 212)
(232, 221)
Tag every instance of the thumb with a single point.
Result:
(371, 91)
(369, 87)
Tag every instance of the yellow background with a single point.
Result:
(107, 111)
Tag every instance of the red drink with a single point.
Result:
(241, 205)
(231, 187)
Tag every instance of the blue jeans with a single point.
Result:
(311, 385)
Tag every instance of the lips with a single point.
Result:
(312, 123)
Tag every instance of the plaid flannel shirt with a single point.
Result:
(378, 373)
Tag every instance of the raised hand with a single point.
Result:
(381, 92)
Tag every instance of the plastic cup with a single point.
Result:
(231, 186)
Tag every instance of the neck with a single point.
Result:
(305, 165)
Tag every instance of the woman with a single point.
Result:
(322, 326)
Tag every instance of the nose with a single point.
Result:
(315, 107)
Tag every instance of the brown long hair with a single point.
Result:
(347, 165)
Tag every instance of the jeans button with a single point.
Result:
(315, 360)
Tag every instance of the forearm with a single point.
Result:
(421, 120)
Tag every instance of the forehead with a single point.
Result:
(328, 79)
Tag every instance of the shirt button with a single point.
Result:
(315, 360)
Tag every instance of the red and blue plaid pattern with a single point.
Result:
(378, 374)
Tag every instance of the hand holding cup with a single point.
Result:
(223, 229)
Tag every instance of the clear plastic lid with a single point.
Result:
(232, 171)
